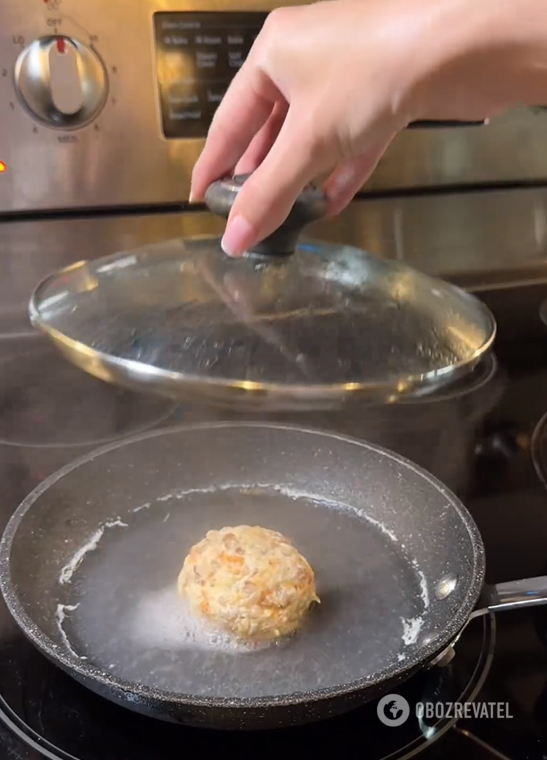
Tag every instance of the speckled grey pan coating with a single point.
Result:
(408, 504)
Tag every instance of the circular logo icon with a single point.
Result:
(393, 710)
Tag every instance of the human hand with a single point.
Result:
(326, 88)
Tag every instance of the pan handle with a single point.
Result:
(530, 592)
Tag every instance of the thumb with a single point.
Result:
(267, 197)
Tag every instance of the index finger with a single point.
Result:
(242, 113)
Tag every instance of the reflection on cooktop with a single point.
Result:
(46, 402)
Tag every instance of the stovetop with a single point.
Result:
(50, 413)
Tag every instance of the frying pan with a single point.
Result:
(89, 561)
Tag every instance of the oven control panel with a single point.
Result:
(197, 55)
(107, 104)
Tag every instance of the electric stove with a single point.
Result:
(50, 413)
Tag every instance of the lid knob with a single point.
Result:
(310, 205)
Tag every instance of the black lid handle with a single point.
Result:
(310, 205)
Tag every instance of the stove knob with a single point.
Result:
(61, 81)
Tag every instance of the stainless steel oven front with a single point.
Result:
(106, 103)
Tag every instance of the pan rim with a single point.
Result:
(417, 657)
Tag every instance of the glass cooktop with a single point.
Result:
(46, 421)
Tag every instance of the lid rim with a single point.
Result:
(252, 388)
(178, 383)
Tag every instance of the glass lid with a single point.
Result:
(290, 325)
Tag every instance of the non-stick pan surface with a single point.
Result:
(89, 563)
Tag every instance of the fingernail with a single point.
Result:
(191, 197)
(238, 236)
(339, 182)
